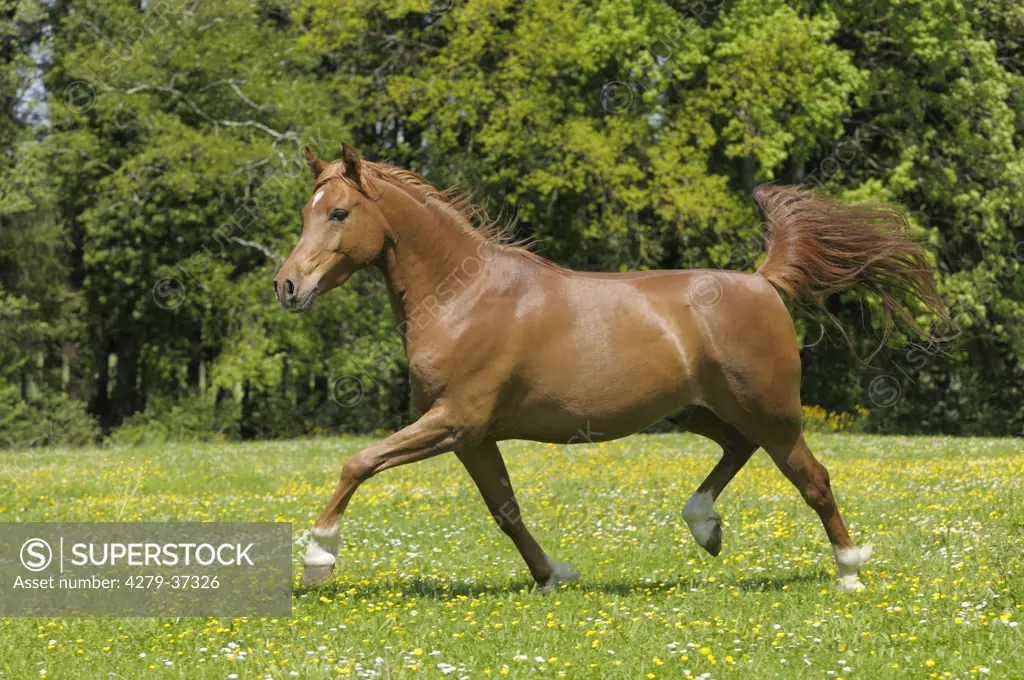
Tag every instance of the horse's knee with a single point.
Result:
(358, 468)
(818, 489)
(824, 480)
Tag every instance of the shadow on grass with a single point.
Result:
(447, 590)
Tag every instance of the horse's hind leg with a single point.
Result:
(774, 423)
(699, 512)
(812, 480)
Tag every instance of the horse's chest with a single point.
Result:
(429, 377)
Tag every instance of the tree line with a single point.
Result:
(151, 179)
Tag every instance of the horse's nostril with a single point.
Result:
(275, 287)
(289, 287)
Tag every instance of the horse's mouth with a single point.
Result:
(306, 303)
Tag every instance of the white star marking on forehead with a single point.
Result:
(318, 196)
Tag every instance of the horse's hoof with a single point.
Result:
(560, 573)
(714, 542)
(311, 575)
(850, 584)
(705, 524)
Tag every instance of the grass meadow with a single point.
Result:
(427, 586)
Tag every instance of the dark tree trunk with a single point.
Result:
(126, 386)
(195, 363)
(747, 170)
(99, 405)
(248, 428)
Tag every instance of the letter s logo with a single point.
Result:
(36, 554)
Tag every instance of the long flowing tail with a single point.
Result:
(818, 246)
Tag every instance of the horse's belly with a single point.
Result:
(568, 429)
(599, 406)
(612, 361)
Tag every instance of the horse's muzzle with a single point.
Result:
(291, 296)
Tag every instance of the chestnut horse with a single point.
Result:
(503, 344)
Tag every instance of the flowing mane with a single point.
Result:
(454, 203)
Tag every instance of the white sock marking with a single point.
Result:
(323, 546)
(560, 573)
(848, 562)
(700, 515)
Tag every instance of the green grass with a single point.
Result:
(427, 586)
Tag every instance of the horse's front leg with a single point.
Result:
(487, 468)
(434, 433)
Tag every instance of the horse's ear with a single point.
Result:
(316, 166)
(353, 163)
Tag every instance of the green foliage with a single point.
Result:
(190, 419)
(51, 419)
(144, 202)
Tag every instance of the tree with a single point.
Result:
(146, 204)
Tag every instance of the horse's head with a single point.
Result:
(343, 231)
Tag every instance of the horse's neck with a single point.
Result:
(430, 258)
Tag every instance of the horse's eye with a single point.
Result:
(338, 214)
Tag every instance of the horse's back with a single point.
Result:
(612, 353)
